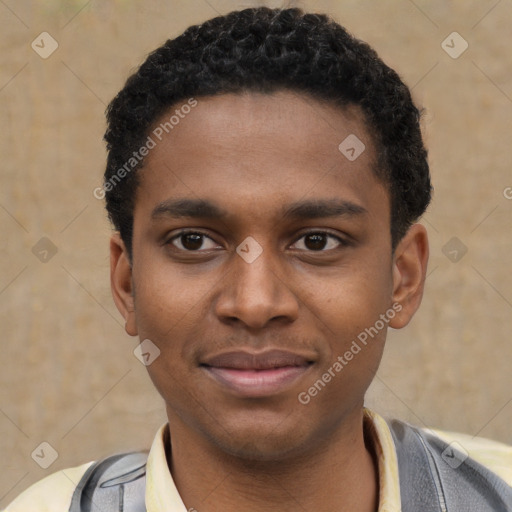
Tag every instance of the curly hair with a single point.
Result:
(266, 50)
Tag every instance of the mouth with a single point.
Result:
(257, 374)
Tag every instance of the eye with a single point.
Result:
(320, 241)
(315, 241)
(191, 241)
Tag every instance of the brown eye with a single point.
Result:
(320, 242)
(190, 241)
(315, 242)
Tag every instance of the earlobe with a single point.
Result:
(409, 272)
(121, 282)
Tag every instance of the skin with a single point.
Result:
(252, 154)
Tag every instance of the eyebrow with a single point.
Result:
(318, 208)
(193, 208)
(299, 210)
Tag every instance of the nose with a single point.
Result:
(256, 293)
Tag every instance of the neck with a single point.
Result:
(337, 474)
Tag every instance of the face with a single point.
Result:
(261, 253)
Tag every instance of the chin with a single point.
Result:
(278, 448)
(262, 441)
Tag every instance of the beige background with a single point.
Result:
(68, 373)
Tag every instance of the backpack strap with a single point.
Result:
(436, 477)
(116, 483)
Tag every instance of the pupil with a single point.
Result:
(318, 241)
(192, 241)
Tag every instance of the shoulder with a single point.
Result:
(51, 494)
(495, 456)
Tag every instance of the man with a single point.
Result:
(265, 174)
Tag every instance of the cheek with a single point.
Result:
(354, 319)
(353, 310)
(166, 313)
(351, 299)
(167, 300)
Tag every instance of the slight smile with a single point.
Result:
(257, 374)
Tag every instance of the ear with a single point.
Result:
(409, 272)
(121, 282)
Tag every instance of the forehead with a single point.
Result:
(261, 149)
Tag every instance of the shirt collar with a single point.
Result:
(378, 432)
(162, 494)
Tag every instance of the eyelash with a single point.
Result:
(342, 242)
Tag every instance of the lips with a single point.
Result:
(252, 361)
(257, 374)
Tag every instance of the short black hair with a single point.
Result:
(266, 50)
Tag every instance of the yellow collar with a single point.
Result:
(162, 494)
